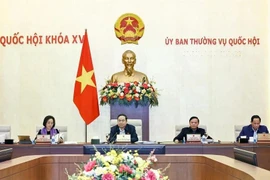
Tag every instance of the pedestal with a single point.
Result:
(132, 112)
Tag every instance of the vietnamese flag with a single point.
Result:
(85, 91)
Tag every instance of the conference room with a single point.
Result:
(159, 63)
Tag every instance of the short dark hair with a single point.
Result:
(46, 119)
(255, 116)
(122, 115)
(194, 117)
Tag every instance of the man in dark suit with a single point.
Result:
(192, 129)
(123, 127)
(253, 129)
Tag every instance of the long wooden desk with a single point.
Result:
(262, 150)
(39, 149)
(187, 167)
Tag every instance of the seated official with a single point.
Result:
(123, 127)
(253, 129)
(48, 129)
(192, 129)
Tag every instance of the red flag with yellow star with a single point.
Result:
(85, 91)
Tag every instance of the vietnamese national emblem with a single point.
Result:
(129, 28)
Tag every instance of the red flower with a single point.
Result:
(107, 176)
(104, 99)
(126, 90)
(89, 166)
(136, 83)
(121, 97)
(127, 85)
(121, 169)
(114, 85)
(137, 98)
(150, 175)
(145, 85)
(128, 170)
(124, 168)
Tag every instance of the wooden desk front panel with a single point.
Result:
(40, 149)
(262, 150)
(263, 155)
(185, 167)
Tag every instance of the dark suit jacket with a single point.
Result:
(129, 129)
(188, 130)
(248, 131)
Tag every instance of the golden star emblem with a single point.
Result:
(129, 21)
(86, 79)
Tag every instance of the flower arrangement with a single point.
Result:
(118, 165)
(128, 93)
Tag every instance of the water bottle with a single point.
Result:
(184, 140)
(107, 137)
(53, 139)
(254, 137)
(204, 141)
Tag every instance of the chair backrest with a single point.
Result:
(178, 128)
(5, 132)
(245, 156)
(237, 130)
(5, 154)
(62, 130)
(135, 122)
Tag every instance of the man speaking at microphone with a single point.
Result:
(123, 127)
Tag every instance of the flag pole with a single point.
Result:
(85, 133)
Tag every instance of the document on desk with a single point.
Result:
(146, 142)
(70, 142)
(167, 142)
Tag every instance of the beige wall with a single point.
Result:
(223, 86)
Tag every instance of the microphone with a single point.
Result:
(111, 139)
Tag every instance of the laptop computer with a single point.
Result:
(24, 139)
(193, 138)
(123, 138)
